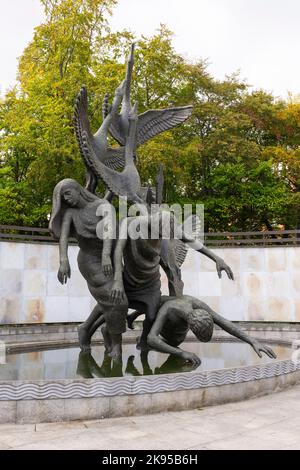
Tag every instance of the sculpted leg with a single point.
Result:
(98, 322)
(115, 325)
(132, 317)
(116, 350)
(150, 315)
(107, 340)
(84, 334)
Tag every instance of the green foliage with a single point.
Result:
(238, 154)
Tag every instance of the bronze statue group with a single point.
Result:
(123, 272)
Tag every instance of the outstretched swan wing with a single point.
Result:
(154, 122)
(151, 123)
(81, 120)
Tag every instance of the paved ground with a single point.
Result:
(270, 422)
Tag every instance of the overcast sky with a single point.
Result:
(261, 38)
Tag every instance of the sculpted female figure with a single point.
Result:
(75, 214)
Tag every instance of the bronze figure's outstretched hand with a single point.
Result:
(64, 272)
(263, 348)
(117, 292)
(191, 357)
(222, 266)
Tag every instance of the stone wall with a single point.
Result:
(266, 286)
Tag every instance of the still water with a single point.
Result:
(70, 363)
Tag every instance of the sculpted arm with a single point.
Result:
(64, 271)
(154, 339)
(198, 246)
(156, 342)
(118, 292)
(106, 257)
(105, 231)
(233, 330)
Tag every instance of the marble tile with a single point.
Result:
(192, 261)
(276, 259)
(294, 283)
(79, 308)
(256, 309)
(11, 282)
(278, 284)
(233, 308)
(231, 288)
(212, 302)
(10, 308)
(191, 283)
(253, 284)
(34, 309)
(35, 256)
(56, 309)
(294, 258)
(34, 282)
(209, 284)
(206, 264)
(253, 260)
(12, 255)
(53, 258)
(266, 278)
(54, 287)
(77, 285)
(221, 252)
(280, 309)
(73, 253)
(233, 258)
(297, 310)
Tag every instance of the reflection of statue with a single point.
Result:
(179, 314)
(173, 364)
(88, 368)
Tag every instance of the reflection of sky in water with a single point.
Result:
(68, 363)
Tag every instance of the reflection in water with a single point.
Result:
(70, 363)
(88, 368)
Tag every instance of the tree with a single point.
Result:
(37, 144)
(238, 154)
